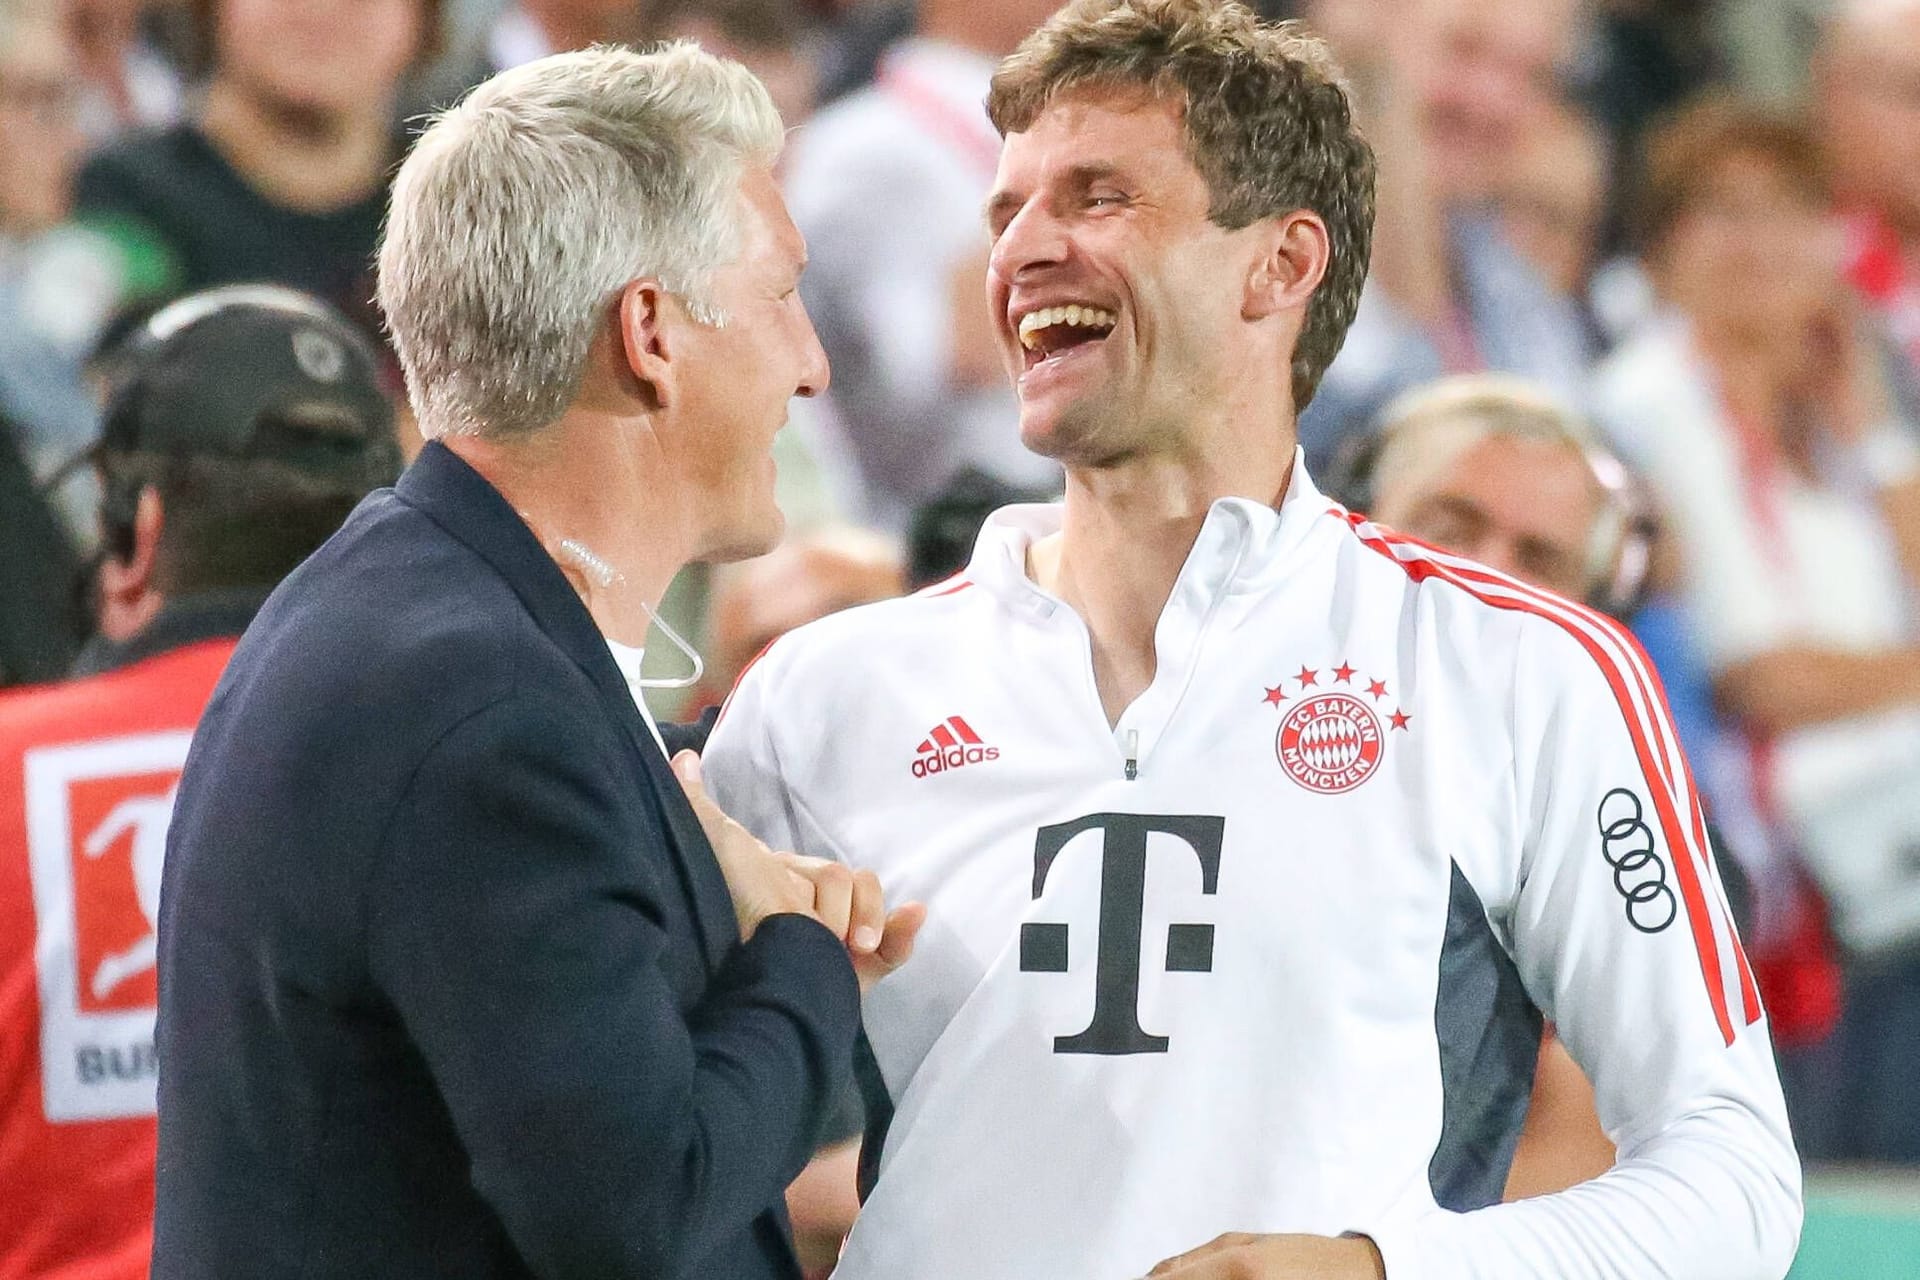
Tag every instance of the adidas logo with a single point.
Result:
(951, 745)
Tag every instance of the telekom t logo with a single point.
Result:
(1116, 1028)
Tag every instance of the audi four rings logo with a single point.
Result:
(1639, 873)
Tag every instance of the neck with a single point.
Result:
(1125, 534)
(594, 480)
(299, 157)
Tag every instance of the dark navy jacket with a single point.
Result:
(450, 983)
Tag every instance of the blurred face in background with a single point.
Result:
(1751, 254)
(575, 24)
(788, 73)
(40, 145)
(1869, 106)
(325, 58)
(1524, 507)
(992, 27)
(1491, 74)
(1553, 196)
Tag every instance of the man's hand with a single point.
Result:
(1248, 1257)
(761, 882)
(765, 883)
(850, 903)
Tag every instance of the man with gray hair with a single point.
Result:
(455, 979)
(1492, 467)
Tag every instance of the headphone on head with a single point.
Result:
(1619, 557)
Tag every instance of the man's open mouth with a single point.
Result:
(1051, 331)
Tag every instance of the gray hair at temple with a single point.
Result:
(523, 211)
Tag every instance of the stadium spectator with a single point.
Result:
(49, 304)
(1757, 410)
(281, 175)
(1486, 465)
(887, 184)
(517, 32)
(1449, 91)
(768, 37)
(1553, 198)
(42, 343)
(250, 422)
(1867, 80)
(125, 81)
(1492, 467)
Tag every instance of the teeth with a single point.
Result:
(1079, 317)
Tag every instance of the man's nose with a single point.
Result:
(1034, 238)
(814, 370)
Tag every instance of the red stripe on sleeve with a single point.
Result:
(1659, 780)
(1653, 696)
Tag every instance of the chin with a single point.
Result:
(1070, 438)
(754, 534)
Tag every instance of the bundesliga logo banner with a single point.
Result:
(97, 815)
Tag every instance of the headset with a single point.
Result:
(1620, 546)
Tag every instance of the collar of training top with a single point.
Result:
(1242, 545)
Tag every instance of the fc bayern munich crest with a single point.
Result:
(1331, 740)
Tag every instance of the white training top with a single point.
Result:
(1265, 956)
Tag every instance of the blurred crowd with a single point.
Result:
(1642, 327)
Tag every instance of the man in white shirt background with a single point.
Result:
(886, 184)
(1255, 840)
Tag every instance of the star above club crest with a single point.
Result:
(1400, 719)
(1377, 689)
(1275, 697)
(1307, 677)
(1343, 673)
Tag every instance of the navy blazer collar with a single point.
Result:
(460, 500)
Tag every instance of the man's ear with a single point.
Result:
(129, 596)
(1295, 253)
(645, 317)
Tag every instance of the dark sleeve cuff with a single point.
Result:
(798, 958)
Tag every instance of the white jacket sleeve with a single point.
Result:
(1617, 923)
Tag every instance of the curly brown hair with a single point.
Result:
(1267, 124)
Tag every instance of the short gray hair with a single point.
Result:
(524, 210)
